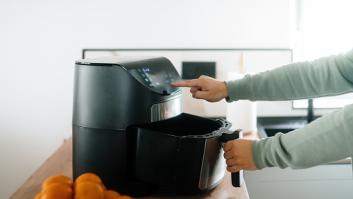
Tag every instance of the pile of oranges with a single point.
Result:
(86, 186)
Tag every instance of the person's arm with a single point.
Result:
(326, 139)
(323, 77)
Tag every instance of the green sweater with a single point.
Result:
(326, 139)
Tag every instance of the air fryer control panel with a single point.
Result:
(155, 74)
(156, 77)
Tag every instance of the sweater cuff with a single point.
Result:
(238, 89)
(257, 154)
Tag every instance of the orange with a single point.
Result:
(110, 194)
(38, 196)
(56, 179)
(124, 197)
(89, 190)
(56, 191)
(88, 177)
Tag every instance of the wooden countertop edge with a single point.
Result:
(56, 164)
(60, 163)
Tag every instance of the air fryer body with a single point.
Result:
(128, 129)
(110, 95)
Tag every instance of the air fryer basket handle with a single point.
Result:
(225, 137)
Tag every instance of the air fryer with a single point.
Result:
(128, 129)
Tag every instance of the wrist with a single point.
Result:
(224, 90)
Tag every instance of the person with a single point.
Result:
(326, 139)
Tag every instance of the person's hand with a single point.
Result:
(238, 155)
(205, 88)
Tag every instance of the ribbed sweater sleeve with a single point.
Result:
(326, 139)
(322, 77)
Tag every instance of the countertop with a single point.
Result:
(61, 163)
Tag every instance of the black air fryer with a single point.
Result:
(128, 129)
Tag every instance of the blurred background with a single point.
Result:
(40, 41)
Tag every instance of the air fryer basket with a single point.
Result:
(182, 154)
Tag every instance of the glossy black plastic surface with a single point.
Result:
(113, 135)
(225, 138)
(109, 97)
(102, 152)
(169, 154)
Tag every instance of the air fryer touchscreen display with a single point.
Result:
(155, 77)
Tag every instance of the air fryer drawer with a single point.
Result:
(180, 154)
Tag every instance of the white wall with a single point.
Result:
(40, 40)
